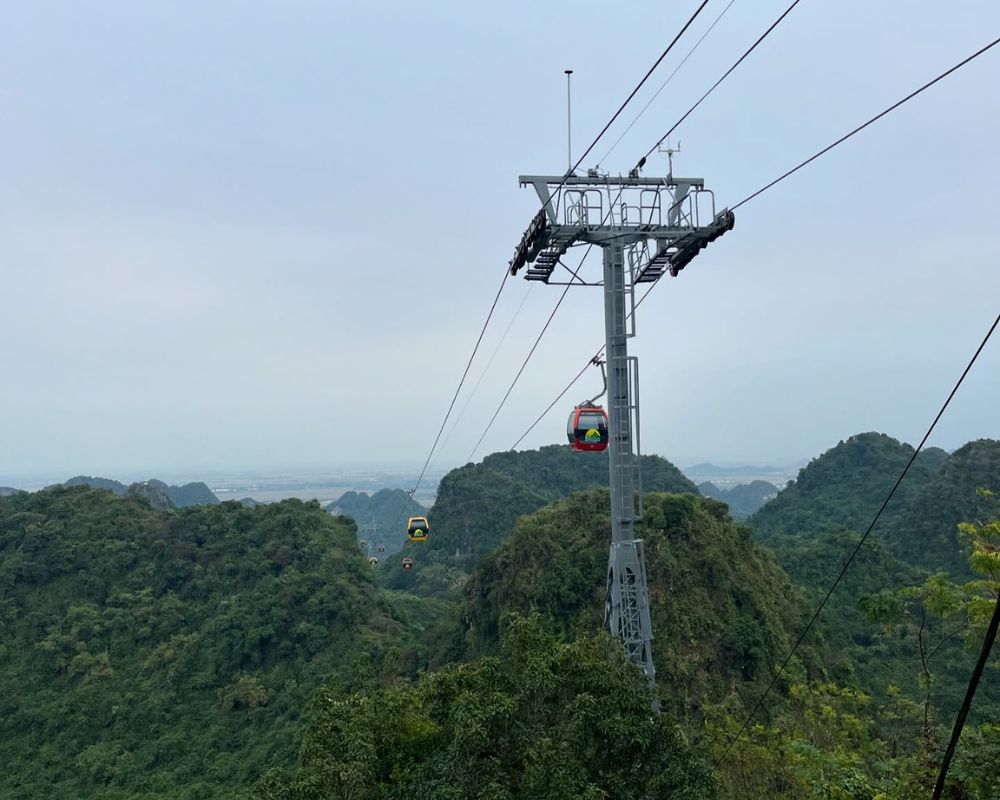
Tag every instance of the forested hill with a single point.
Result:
(721, 607)
(380, 516)
(925, 531)
(478, 504)
(844, 487)
(170, 654)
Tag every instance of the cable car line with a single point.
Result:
(715, 85)
(527, 358)
(857, 548)
(579, 375)
(638, 86)
(539, 215)
(593, 144)
(586, 152)
(861, 127)
(565, 291)
(487, 367)
(458, 388)
(664, 84)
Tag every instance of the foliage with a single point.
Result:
(844, 487)
(925, 532)
(478, 504)
(720, 606)
(149, 654)
(542, 719)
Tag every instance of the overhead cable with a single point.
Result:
(861, 127)
(465, 373)
(486, 369)
(664, 84)
(531, 352)
(715, 85)
(579, 375)
(610, 122)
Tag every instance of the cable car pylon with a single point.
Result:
(662, 224)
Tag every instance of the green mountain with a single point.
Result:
(721, 607)
(743, 499)
(844, 487)
(925, 531)
(190, 494)
(170, 654)
(381, 517)
(478, 504)
(96, 483)
(195, 493)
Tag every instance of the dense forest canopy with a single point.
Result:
(136, 641)
(217, 651)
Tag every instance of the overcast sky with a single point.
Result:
(265, 235)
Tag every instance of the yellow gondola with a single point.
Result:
(417, 529)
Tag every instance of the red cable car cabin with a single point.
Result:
(587, 428)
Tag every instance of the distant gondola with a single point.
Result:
(587, 428)
(417, 529)
(381, 548)
(407, 563)
(372, 561)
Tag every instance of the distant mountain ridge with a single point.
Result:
(707, 469)
(744, 498)
(195, 493)
(380, 517)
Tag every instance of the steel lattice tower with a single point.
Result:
(645, 227)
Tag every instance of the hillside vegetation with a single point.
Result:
(721, 608)
(844, 487)
(218, 651)
(478, 504)
(153, 654)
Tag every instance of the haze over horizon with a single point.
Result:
(234, 236)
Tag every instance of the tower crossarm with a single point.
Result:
(678, 214)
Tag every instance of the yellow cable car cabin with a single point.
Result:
(417, 529)
(372, 561)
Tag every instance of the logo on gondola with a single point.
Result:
(592, 435)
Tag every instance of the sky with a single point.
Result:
(266, 235)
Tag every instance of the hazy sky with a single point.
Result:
(257, 235)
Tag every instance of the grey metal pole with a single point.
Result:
(569, 125)
(626, 606)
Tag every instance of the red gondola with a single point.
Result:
(587, 428)
(407, 563)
